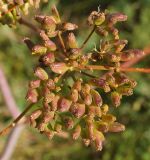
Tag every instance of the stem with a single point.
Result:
(13, 124)
(28, 24)
(89, 36)
(97, 67)
(62, 43)
(142, 70)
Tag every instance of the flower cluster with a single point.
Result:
(11, 10)
(66, 88)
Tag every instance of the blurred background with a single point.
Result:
(17, 63)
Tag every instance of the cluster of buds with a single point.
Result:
(11, 10)
(69, 102)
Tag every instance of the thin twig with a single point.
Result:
(89, 36)
(13, 124)
(28, 24)
(62, 43)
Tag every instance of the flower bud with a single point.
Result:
(69, 26)
(41, 73)
(111, 80)
(88, 99)
(121, 78)
(77, 85)
(104, 108)
(72, 43)
(49, 97)
(49, 133)
(39, 50)
(64, 104)
(76, 133)
(115, 98)
(50, 45)
(86, 89)
(48, 58)
(49, 23)
(54, 103)
(34, 115)
(34, 84)
(41, 126)
(96, 98)
(74, 95)
(74, 53)
(50, 84)
(116, 127)
(108, 118)
(96, 18)
(127, 91)
(32, 95)
(102, 126)
(99, 138)
(90, 130)
(59, 67)
(102, 32)
(120, 44)
(116, 17)
(102, 84)
(77, 109)
(86, 142)
(48, 117)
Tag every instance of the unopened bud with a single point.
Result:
(104, 108)
(102, 32)
(116, 17)
(75, 53)
(115, 98)
(108, 118)
(32, 96)
(41, 73)
(34, 84)
(48, 116)
(97, 98)
(96, 18)
(77, 85)
(72, 43)
(64, 104)
(99, 138)
(77, 109)
(116, 127)
(49, 133)
(39, 50)
(59, 67)
(48, 58)
(54, 103)
(50, 84)
(74, 95)
(69, 26)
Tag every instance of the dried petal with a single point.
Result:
(69, 26)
